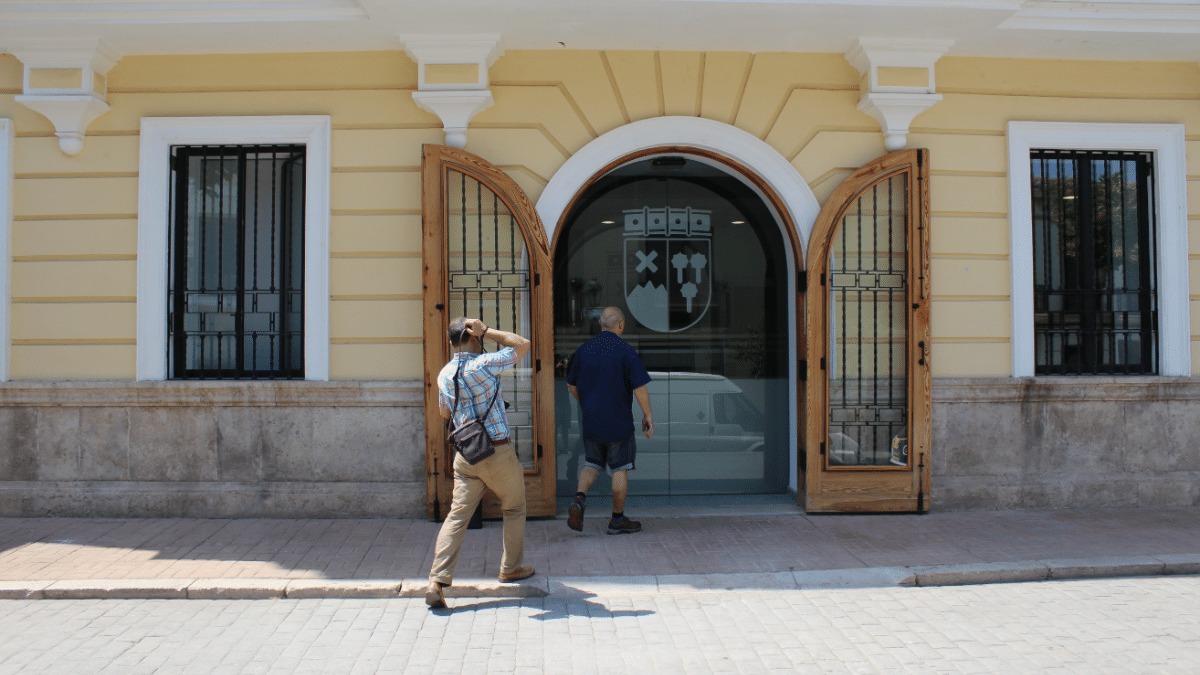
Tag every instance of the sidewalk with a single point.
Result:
(766, 547)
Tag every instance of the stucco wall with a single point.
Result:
(74, 231)
(997, 442)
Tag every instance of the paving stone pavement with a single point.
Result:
(256, 558)
(1127, 625)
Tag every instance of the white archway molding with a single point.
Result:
(687, 132)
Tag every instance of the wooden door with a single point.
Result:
(485, 256)
(868, 407)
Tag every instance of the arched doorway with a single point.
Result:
(688, 247)
(846, 450)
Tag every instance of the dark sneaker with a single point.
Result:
(623, 525)
(575, 516)
(434, 597)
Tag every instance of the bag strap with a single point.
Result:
(454, 407)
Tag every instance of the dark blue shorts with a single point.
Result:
(617, 455)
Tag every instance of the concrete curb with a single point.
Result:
(584, 587)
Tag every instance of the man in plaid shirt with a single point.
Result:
(478, 378)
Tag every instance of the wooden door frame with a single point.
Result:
(435, 161)
(791, 235)
(906, 492)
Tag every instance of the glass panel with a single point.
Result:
(696, 261)
(868, 323)
(487, 264)
(237, 272)
(1095, 306)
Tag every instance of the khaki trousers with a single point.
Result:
(503, 473)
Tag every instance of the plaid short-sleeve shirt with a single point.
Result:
(477, 383)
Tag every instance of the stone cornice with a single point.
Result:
(302, 394)
(948, 390)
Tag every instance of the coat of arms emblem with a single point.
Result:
(668, 266)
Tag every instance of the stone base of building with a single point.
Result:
(357, 449)
(1059, 442)
(212, 449)
(136, 499)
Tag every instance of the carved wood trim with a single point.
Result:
(540, 483)
(874, 488)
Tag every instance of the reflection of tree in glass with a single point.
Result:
(752, 351)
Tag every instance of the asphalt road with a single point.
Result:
(1129, 625)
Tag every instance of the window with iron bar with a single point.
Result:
(1095, 301)
(237, 263)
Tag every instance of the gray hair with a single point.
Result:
(610, 317)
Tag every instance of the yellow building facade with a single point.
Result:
(92, 428)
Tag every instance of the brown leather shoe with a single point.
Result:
(517, 574)
(434, 597)
(575, 516)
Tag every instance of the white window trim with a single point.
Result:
(6, 178)
(1166, 141)
(158, 134)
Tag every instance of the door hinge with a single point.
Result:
(440, 307)
(822, 278)
(822, 363)
(916, 305)
(537, 365)
(822, 448)
(802, 282)
(539, 450)
(537, 279)
(803, 371)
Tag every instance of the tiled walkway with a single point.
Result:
(671, 543)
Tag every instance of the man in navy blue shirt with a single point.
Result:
(605, 376)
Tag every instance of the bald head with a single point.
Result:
(611, 319)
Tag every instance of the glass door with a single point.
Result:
(696, 261)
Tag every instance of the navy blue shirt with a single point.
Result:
(606, 370)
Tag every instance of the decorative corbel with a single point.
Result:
(896, 82)
(452, 78)
(66, 80)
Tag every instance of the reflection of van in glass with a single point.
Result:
(710, 427)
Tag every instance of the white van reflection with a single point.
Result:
(844, 451)
(711, 428)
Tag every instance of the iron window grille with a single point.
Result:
(868, 328)
(1095, 302)
(237, 263)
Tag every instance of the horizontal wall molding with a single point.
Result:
(265, 394)
(969, 390)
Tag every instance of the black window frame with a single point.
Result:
(244, 302)
(1084, 290)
